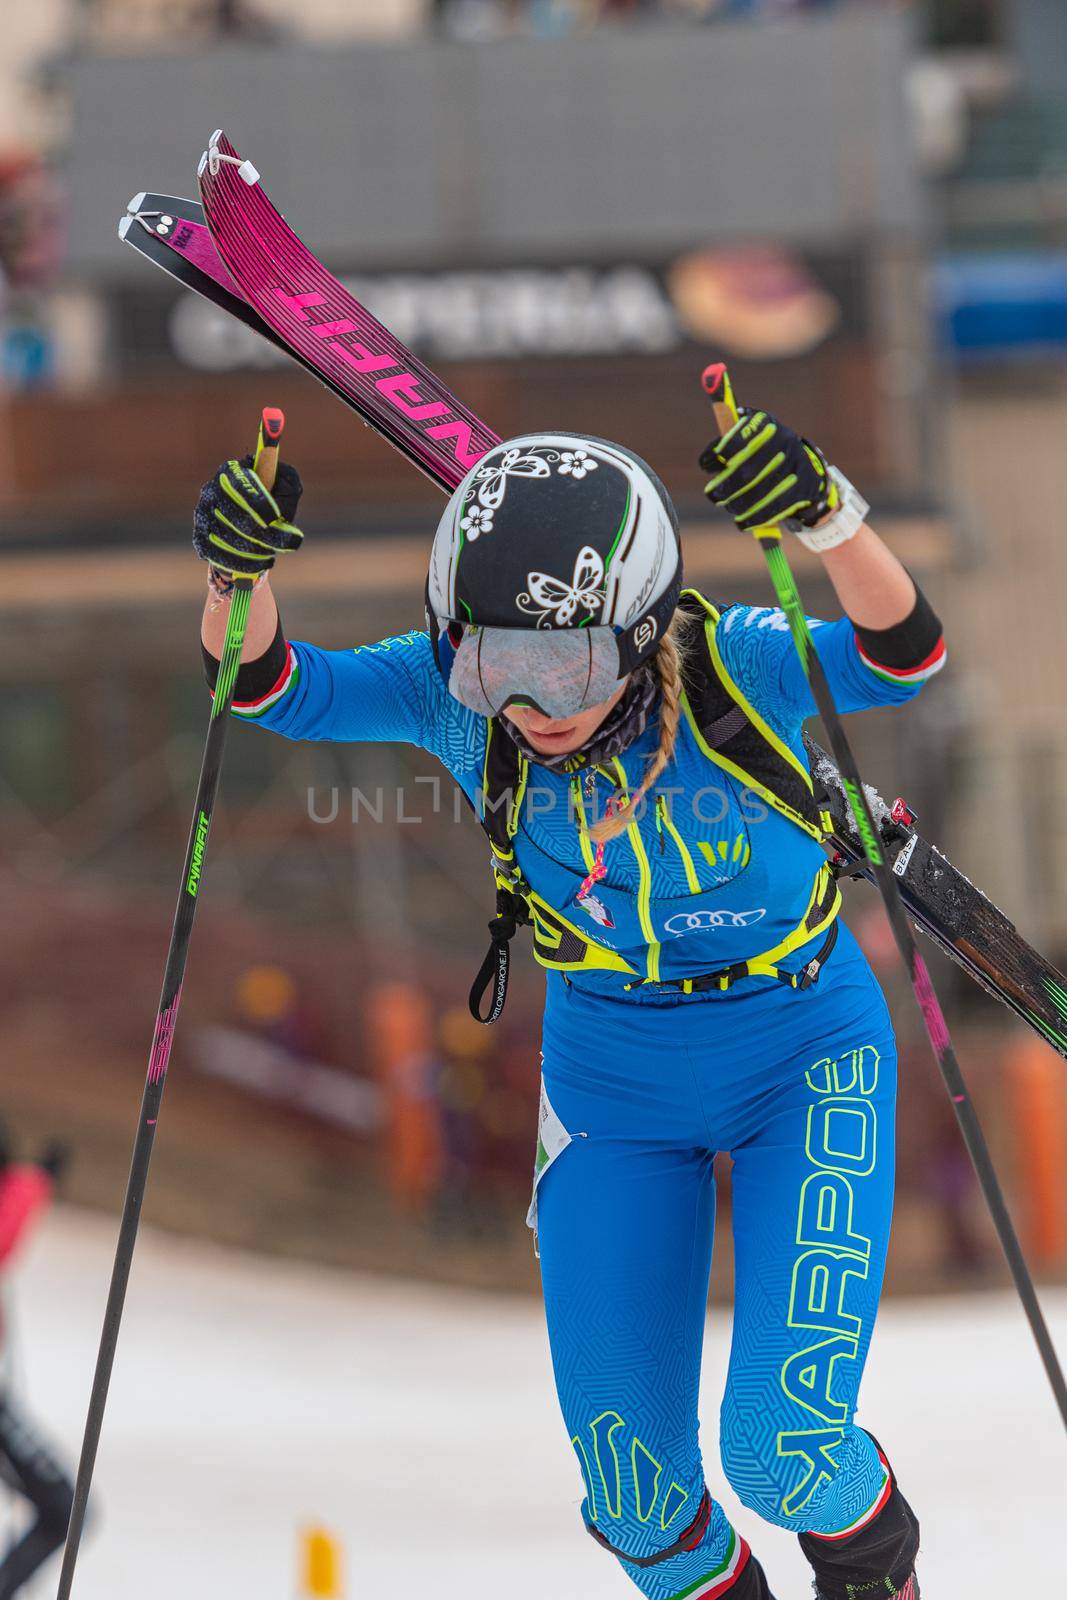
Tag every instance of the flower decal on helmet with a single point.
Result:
(490, 483)
(476, 520)
(548, 598)
(576, 463)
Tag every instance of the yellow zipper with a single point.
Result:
(663, 820)
(584, 840)
(644, 892)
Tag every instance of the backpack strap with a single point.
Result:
(505, 772)
(731, 732)
(733, 735)
(558, 942)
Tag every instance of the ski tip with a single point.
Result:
(212, 159)
(137, 203)
(125, 223)
(209, 161)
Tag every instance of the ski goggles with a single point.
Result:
(558, 672)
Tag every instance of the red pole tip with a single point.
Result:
(713, 377)
(273, 422)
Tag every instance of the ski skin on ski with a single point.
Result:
(316, 315)
(173, 234)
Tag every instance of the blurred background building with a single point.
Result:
(567, 207)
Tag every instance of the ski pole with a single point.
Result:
(717, 384)
(266, 465)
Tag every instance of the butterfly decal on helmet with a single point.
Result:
(548, 598)
(492, 479)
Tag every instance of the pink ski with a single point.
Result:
(332, 333)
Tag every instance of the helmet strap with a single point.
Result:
(637, 642)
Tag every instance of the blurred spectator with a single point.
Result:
(123, 24)
(400, 1039)
(279, 1049)
(1038, 1091)
(461, 1088)
(269, 1006)
(25, 1462)
(236, 19)
(30, 254)
(30, 221)
(476, 21)
(951, 1186)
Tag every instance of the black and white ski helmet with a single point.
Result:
(558, 530)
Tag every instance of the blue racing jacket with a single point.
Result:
(709, 875)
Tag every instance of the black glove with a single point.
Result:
(239, 526)
(765, 473)
(54, 1159)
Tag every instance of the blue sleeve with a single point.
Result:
(391, 690)
(758, 651)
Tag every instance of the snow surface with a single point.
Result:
(251, 1397)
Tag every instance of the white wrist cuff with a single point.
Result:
(845, 522)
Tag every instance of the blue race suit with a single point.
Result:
(642, 1085)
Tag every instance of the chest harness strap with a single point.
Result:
(732, 735)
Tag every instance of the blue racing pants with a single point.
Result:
(799, 1087)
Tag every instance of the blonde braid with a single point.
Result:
(668, 666)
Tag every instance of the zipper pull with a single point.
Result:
(577, 808)
(660, 808)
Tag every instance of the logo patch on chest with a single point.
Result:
(684, 922)
(597, 910)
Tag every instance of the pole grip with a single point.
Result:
(716, 381)
(268, 446)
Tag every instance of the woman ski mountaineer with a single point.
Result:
(699, 996)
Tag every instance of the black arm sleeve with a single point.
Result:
(907, 644)
(254, 678)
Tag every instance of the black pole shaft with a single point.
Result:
(158, 1059)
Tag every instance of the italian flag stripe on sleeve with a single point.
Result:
(918, 674)
(286, 680)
